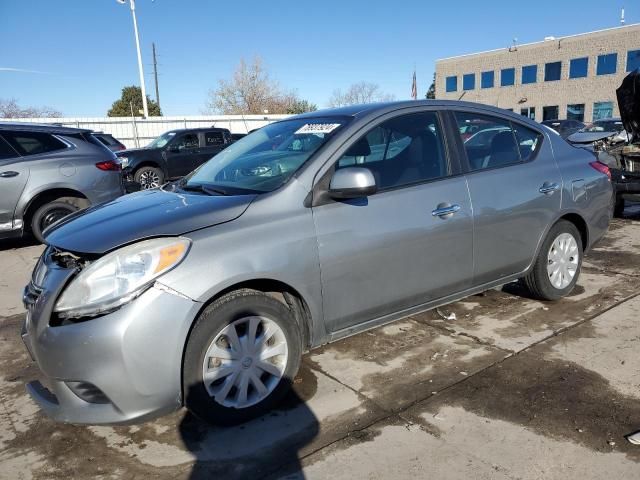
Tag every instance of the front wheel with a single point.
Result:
(558, 264)
(241, 357)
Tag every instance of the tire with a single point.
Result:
(149, 177)
(540, 283)
(48, 214)
(220, 400)
(618, 208)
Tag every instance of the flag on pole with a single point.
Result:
(414, 86)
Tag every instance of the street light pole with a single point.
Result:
(145, 108)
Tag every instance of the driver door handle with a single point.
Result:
(9, 174)
(445, 211)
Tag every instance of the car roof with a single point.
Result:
(198, 129)
(41, 127)
(387, 107)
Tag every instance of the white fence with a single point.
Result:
(139, 132)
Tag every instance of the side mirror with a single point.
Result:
(352, 182)
(173, 149)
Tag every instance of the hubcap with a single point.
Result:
(245, 362)
(149, 179)
(562, 261)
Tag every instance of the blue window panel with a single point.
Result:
(579, 67)
(469, 81)
(633, 60)
(607, 64)
(552, 71)
(529, 74)
(452, 84)
(486, 80)
(602, 110)
(507, 77)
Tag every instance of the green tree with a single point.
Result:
(431, 93)
(301, 106)
(132, 95)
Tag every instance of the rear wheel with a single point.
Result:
(149, 177)
(48, 214)
(241, 357)
(557, 267)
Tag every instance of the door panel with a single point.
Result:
(389, 252)
(13, 178)
(515, 192)
(182, 161)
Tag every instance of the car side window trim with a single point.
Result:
(322, 179)
(466, 165)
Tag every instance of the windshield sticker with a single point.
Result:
(317, 128)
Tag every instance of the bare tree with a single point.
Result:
(361, 92)
(252, 90)
(9, 108)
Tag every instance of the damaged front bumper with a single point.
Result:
(119, 368)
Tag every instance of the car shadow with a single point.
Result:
(18, 242)
(266, 446)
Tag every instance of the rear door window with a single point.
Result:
(492, 142)
(33, 143)
(6, 151)
(213, 139)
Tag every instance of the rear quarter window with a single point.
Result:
(33, 143)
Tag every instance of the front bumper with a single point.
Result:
(132, 356)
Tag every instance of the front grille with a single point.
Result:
(88, 392)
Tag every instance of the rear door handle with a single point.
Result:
(445, 211)
(549, 188)
(9, 174)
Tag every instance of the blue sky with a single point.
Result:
(80, 53)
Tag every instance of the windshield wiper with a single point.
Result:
(199, 187)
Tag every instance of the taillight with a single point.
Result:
(602, 168)
(109, 166)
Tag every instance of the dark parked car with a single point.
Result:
(48, 172)
(172, 155)
(564, 127)
(616, 142)
(206, 292)
(110, 141)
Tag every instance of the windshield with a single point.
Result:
(265, 159)
(162, 140)
(605, 126)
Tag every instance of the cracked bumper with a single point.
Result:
(133, 357)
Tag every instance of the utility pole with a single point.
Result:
(132, 4)
(155, 73)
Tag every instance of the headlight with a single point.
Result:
(124, 161)
(120, 276)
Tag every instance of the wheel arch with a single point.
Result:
(282, 291)
(50, 195)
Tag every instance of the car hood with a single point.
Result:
(589, 137)
(629, 103)
(141, 215)
(135, 151)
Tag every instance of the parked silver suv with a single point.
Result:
(48, 172)
(206, 292)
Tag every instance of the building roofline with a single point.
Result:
(538, 42)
